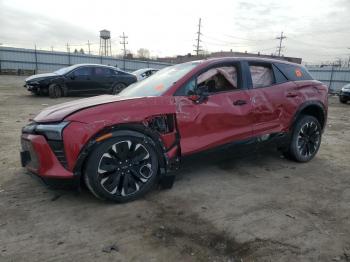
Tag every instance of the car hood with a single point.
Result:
(59, 112)
(40, 77)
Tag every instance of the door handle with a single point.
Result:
(291, 94)
(239, 102)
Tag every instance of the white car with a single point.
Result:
(142, 74)
(344, 95)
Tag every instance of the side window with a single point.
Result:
(279, 77)
(262, 75)
(189, 86)
(84, 71)
(100, 71)
(294, 72)
(219, 79)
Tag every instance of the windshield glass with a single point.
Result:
(140, 71)
(64, 70)
(159, 83)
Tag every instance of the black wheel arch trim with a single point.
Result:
(307, 104)
(135, 129)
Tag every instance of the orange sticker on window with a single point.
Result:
(298, 73)
(159, 87)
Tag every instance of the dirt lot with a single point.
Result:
(253, 208)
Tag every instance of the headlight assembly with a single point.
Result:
(51, 131)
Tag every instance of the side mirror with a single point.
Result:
(199, 95)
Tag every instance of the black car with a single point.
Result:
(80, 79)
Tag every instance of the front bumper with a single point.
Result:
(38, 158)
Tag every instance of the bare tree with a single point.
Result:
(143, 53)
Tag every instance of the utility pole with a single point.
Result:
(198, 39)
(124, 43)
(68, 51)
(88, 43)
(51, 48)
(280, 47)
(349, 59)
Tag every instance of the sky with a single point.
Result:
(316, 30)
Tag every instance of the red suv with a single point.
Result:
(121, 145)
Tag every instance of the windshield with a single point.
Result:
(64, 70)
(140, 71)
(159, 83)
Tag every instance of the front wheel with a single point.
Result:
(342, 100)
(122, 168)
(117, 88)
(306, 139)
(55, 91)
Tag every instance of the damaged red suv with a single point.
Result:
(121, 145)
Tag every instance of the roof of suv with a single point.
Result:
(254, 58)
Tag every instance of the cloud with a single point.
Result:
(316, 30)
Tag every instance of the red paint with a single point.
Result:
(48, 163)
(216, 121)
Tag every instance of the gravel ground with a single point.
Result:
(222, 208)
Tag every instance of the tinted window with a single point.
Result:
(101, 71)
(294, 72)
(219, 79)
(279, 77)
(83, 71)
(262, 75)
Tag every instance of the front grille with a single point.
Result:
(58, 149)
(32, 158)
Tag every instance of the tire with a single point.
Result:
(306, 139)
(342, 100)
(122, 168)
(55, 91)
(117, 88)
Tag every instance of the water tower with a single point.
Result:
(105, 43)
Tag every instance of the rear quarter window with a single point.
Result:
(294, 72)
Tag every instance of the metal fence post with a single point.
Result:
(331, 79)
(36, 60)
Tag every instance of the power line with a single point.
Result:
(279, 48)
(124, 43)
(197, 46)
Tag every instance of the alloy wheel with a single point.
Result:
(308, 140)
(125, 168)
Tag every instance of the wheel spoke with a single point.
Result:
(122, 150)
(135, 173)
(125, 185)
(111, 183)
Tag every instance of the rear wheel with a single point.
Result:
(342, 100)
(55, 91)
(306, 139)
(121, 169)
(117, 88)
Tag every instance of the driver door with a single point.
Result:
(225, 115)
(79, 81)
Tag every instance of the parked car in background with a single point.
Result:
(344, 95)
(91, 79)
(121, 145)
(142, 74)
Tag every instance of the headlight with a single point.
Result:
(51, 131)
